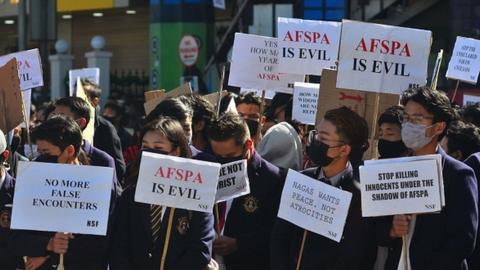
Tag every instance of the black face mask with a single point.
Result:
(317, 151)
(225, 160)
(388, 149)
(46, 158)
(155, 151)
(252, 127)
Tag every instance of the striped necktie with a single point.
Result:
(155, 220)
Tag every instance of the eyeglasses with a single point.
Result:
(414, 118)
(312, 136)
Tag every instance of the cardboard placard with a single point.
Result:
(470, 100)
(314, 205)
(179, 91)
(255, 65)
(465, 62)
(29, 68)
(91, 74)
(382, 58)
(62, 198)
(401, 186)
(307, 46)
(177, 182)
(213, 97)
(89, 131)
(149, 95)
(361, 102)
(11, 103)
(233, 181)
(305, 100)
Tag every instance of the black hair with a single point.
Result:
(435, 102)
(61, 131)
(92, 90)
(352, 130)
(79, 107)
(249, 98)
(171, 107)
(463, 137)
(280, 100)
(228, 126)
(392, 115)
(471, 114)
(112, 105)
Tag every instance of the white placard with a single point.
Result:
(62, 198)
(255, 65)
(91, 74)
(269, 94)
(382, 58)
(314, 205)
(470, 100)
(29, 68)
(233, 181)
(27, 104)
(465, 62)
(177, 182)
(306, 46)
(400, 188)
(305, 99)
(220, 4)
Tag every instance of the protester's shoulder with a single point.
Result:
(104, 123)
(457, 171)
(310, 172)
(9, 183)
(270, 169)
(473, 161)
(101, 158)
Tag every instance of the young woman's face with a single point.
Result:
(156, 140)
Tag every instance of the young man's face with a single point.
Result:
(227, 149)
(390, 132)
(65, 111)
(327, 134)
(417, 114)
(46, 148)
(249, 111)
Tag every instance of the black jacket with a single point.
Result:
(356, 250)
(191, 238)
(8, 260)
(106, 139)
(251, 217)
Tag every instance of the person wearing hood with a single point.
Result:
(282, 146)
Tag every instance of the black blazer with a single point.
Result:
(251, 217)
(8, 260)
(356, 250)
(191, 238)
(474, 259)
(444, 240)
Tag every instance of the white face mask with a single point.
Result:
(414, 135)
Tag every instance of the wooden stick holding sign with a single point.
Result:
(436, 70)
(405, 255)
(220, 89)
(373, 149)
(27, 127)
(300, 254)
(260, 124)
(167, 239)
(456, 89)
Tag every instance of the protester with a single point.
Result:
(248, 107)
(471, 114)
(181, 112)
(141, 236)
(203, 114)
(282, 147)
(474, 259)
(390, 145)
(461, 140)
(8, 260)
(114, 114)
(105, 136)
(245, 223)
(77, 109)
(280, 110)
(443, 240)
(59, 140)
(340, 134)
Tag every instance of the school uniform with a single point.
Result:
(356, 250)
(443, 241)
(8, 260)
(249, 219)
(106, 139)
(474, 259)
(84, 251)
(190, 238)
